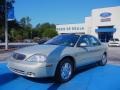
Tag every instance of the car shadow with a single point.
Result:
(41, 80)
(88, 78)
(85, 68)
(55, 85)
(7, 77)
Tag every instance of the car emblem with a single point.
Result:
(105, 14)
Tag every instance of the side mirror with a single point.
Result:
(83, 45)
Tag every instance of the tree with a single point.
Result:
(2, 16)
(1, 12)
(27, 27)
(46, 30)
(1, 19)
(20, 30)
(49, 33)
(49, 30)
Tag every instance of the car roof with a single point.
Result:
(79, 34)
(76, 34)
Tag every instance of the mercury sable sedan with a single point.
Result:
(58, 57)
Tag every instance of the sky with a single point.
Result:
(59, 11)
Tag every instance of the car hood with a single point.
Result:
(39, 49)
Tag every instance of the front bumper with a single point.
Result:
(35, 70)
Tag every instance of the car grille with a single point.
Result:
(18, 56)
(18, 71)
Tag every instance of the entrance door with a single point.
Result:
(105, 36)
(105, 33)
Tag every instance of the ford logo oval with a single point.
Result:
(105, 14)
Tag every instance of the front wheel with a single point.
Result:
(64, 70)
(103, 60)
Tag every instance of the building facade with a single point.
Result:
(103, 23)
(71, 28)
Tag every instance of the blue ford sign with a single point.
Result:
(105, 14)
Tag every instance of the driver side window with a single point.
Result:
(83, 39)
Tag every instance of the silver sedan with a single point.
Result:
(58, 57)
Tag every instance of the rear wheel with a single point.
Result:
(64, 70)
(103, 60)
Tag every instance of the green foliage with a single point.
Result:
(49, 33)
(1, 34)
(25, 30)
(18, 38)
(26, 27)
(1, 13)
(46, 30)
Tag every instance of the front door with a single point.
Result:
(83, 54)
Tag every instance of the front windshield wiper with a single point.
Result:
(57, 44)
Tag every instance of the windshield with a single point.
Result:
(65, 39)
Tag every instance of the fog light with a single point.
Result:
(30, 74)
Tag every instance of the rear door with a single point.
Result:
(95, 49)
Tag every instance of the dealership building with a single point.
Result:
(103, 23)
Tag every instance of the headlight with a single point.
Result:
(37, 58)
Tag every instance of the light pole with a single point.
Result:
(6, 26)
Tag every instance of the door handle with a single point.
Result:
(95, 50)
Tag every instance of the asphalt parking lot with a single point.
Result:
(95, 78)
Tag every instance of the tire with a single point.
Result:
(103, 60)
(64, 71)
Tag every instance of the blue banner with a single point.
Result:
(11, 14)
